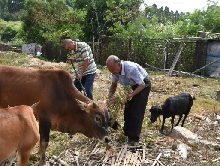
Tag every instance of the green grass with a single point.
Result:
(12, 58)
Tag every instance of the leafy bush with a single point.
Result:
(8, 30)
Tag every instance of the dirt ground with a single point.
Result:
(156, 148)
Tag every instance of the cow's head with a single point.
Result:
(98, 118)
(155, 112)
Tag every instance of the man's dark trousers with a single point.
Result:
(87, 82)
(134, 113)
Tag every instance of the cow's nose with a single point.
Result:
(152, 120)
(107, 140)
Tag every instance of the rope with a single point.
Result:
(84, 90)
(106, 129)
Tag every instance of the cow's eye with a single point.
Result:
(98, 119)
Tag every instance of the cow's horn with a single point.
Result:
(153, 103)
(95, 105)
(158, 103)
(35, 105)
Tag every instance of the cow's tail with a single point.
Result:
(35, 105)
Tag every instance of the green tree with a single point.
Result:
(50, 21)
(102, 15)
(9, 30)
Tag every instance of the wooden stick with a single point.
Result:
(119, 156)
(95, 148)
(76, 156)
(60, 161)
(127, 161)
(156, 159)
(160, 163)
(155, 68)
(206, 65)
(125, 157)
(143, 159)
(175, 60)
(122, 154)
(135, 158)
(113, 161)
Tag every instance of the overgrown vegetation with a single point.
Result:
(9, 31)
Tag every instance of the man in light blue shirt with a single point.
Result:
(130, 73)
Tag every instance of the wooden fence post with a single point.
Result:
(129, 49)
(218, 95)
(175, 60)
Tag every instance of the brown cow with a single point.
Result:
(58, 108)
(19, 134)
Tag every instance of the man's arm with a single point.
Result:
(85, 64)
(112, 89)
(136, 91)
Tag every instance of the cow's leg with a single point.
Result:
(172, 122)
(23, 157)
(162, 127)
(184, 120)
(180, 117)
(44, 128)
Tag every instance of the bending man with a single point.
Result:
(86, 65)
(130, 73)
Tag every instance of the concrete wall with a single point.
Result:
(31, 48)
(213, 53)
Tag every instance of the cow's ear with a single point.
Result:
(82, 105)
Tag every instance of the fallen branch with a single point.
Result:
(160, 163)
(175, 60)
(156, 159)
(143, 159)
(206, 65)
(76, 156)
(119, 155)
(60, 161)
(186, 73)
(156, 68)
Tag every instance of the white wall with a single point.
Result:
(31, 48)
(213, 53)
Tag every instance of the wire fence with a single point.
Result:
(155, 52)
(159, 53)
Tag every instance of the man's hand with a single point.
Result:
(128, 95)
(71, 61)
(79, 77)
